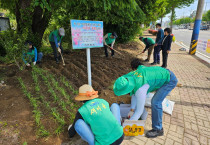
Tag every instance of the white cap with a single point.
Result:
(62, 31)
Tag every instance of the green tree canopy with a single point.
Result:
(34, 16)
(183, 21)
(206, 16)
(172, 4)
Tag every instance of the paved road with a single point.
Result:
(185, 35)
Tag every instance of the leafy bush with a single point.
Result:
(125, 31)
(12, 44)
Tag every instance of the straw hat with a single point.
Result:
(86, 92)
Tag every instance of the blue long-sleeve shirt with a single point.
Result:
(56, 41)
(160, 36)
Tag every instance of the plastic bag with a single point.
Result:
(167, 105)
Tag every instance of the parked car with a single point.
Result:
(176, 28)
(203, 28)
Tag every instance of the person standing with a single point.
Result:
(158, 41)
(149, 42)
(55, 39)
(109, 40)
(139, 83)
(32, 56)
(166, 46)
(95, 122)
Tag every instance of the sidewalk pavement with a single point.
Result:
(190, 121)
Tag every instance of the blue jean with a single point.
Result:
(160, 95)
(28, 58)
(39, 57)
(157, 53)
(84, 130)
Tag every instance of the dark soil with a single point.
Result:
(17, 124)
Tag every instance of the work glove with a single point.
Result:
(27, 64)
(130, 114)
(34, 62)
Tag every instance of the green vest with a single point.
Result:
(149, 40)
(109, 40)
(56, 33)
(31, 53)
(96, 113)
(155, 76)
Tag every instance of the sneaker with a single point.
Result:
(154, 63)
(146, 60)
(69, 127)
(158, 62)
(154, 133)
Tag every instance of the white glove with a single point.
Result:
(34, 62)
(27, 64)
(130, 114)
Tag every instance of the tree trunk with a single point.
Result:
(172, 16)
(40, 22)
(31, 21)
(22, 9)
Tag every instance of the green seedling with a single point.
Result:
(42, 132)
(59, 130)
(58, 117)
(35, 78)
(68, 85)
(37, 115)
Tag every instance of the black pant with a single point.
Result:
(106, 52)
(119, 141)
(165, 58)
(55, 50)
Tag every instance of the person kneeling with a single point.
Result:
(95, 122)
(32, 56)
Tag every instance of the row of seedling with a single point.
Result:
(68, 85)
(58, 118)
(37, 113)
(62, 103)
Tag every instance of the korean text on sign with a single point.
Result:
(86, 34)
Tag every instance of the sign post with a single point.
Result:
(88, 66)
(86, 35)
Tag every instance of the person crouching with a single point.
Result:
(95, 122)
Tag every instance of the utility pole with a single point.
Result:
(196, 30)
(206, 6)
